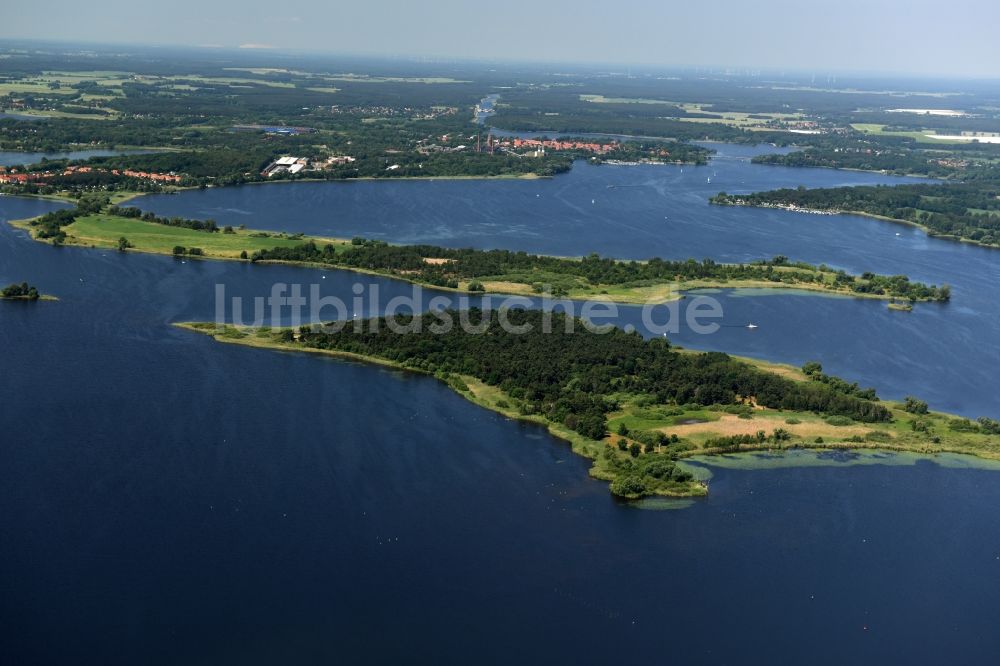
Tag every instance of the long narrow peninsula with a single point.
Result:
(92, 223)
(636, 407)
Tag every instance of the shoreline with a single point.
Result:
(586, 448)
(837, 211)
(488, 397)
(879, 172)
(649, 294)
(28, 299)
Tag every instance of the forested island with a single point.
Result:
(636, 407)
(964, 211)
(93, 222)
(22, 292)
(593, 275)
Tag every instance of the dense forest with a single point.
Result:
(890, 154)
(970, 211)
(574, 377)
(865, 155)
(454, 265)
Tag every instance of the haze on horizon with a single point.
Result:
(876, 36)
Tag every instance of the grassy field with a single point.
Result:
(105, 230)
(744, 120)
(919, 137)
(42, 85)
(32, 87)
(806, 430)
(63, 114)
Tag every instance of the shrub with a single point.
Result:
(743, 411)
(812, 368)
(839, 420)
(458, 383)
(963, 425)
(989, 426)
(628, 486)
(780, 435)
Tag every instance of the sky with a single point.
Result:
(955, 38)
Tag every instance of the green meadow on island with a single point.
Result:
(96, 224)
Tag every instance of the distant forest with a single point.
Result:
(970, 211)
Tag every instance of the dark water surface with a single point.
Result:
(167, 499)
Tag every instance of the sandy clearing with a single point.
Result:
(730, 424)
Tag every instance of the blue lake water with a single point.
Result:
(18, 158)
(167, 499)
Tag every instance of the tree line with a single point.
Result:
(571, 378)
(137, 214)
(969, 210)
(20, 291)
(518, 266)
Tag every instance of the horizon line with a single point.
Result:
(250, 49)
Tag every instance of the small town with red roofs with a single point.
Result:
(14, 176)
